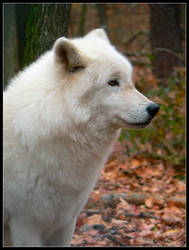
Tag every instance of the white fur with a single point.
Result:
(59, 128)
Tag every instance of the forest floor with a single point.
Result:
(136, 202)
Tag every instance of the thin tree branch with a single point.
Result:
(168, 51)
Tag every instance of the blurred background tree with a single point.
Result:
(30, 30)
(10, 43)
(165, 36)
(45, 22)
(81, 29)
(22, 11)
(101, 9)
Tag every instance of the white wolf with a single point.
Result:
(61, 117)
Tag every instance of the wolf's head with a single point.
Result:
(98, 84)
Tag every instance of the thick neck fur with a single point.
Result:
(83, 140)
(83, 151)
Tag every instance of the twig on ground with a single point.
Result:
(141, 215)
(110, 237)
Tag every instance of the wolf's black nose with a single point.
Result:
(152, 109)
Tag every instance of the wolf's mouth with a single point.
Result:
(138, 124)
(144, 123)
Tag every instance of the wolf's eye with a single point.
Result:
(113, 83)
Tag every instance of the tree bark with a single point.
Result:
(21, 19)
(45, 23)
(81, 30)
(165, 39)
(10, 43)
(101, 8)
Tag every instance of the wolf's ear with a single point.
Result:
(101, 33)
(68, 55)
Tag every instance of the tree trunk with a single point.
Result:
(81, 29)
(165, 39)
(10, 42)
(101, 8)
(45, 23)
(21, 19)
